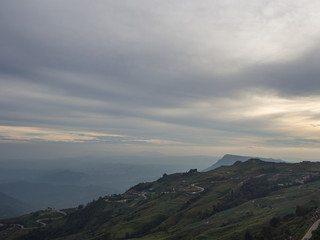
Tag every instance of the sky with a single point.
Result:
(176, 78)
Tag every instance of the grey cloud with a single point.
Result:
(296, 78)
(105, 64)
(151, 70)
(280, 142)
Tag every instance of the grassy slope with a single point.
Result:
(256, 198)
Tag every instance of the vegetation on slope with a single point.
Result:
(250, 200)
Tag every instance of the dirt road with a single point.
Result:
(312, 228)
(201, 189)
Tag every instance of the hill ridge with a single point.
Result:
(229, 159)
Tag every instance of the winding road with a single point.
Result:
(314, 226)
(40, 221)
(201, 189)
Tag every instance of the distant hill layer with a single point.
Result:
(229, 159)
(43, 195)
(11, 207)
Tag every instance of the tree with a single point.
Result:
(248, 236)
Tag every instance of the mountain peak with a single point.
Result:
(230, 159)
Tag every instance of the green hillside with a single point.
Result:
(249, 200)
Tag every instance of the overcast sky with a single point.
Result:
(176, 77)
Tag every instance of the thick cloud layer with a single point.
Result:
(203, 75)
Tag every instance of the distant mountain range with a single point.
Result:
(11, 207)
(229, 159)
(71, 184)
(43, 195)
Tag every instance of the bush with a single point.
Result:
(301, 211)
(274, 222)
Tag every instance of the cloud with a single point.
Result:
(30, 134)
(19, 134)
(209, 73)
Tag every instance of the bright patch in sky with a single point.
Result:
(30, 134)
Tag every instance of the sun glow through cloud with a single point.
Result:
(20, 134)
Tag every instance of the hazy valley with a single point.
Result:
(65, 183)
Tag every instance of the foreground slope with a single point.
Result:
(249, 200)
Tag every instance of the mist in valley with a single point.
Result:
(69, 182)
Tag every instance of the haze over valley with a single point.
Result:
(65, 183)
